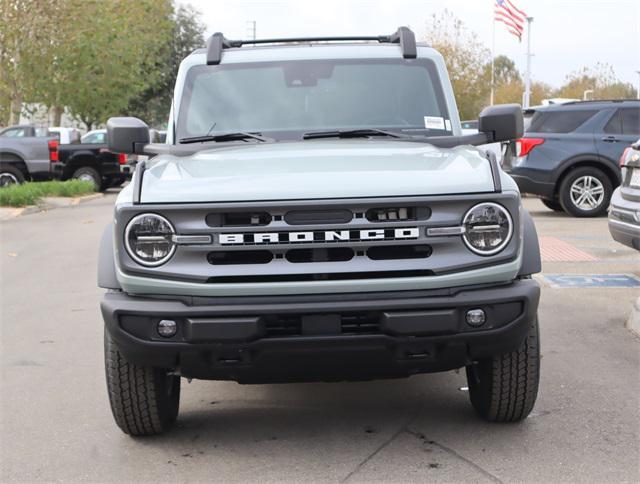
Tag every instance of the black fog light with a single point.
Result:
(476, 317)
(167, 328)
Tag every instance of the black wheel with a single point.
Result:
(10, 175)
(144, 400)
(586, 192)
(504, 388)
(89, 174)
(552, 204)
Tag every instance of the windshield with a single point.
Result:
(287, 99)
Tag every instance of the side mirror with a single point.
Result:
(127, 135)
(503, 122)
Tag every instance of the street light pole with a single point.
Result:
(638, 84)
(527, 78)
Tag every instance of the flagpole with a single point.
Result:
(527, 78)
(493, 56)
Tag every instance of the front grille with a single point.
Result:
(318, 240)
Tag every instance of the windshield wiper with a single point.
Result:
(351, 133)
(239, 136)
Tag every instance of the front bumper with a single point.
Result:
(321, 337)
(624, 220)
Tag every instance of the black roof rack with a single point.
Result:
(598, 101)
(403, 36)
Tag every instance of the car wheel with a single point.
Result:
(504, 388)
(586, 192)
(144, 400)
(86, 173)
(552, 204)
(10, 175)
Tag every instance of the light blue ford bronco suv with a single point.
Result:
(317, 215)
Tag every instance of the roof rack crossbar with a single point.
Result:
(403, 36)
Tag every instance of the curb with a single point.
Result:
(47, 203)
(633, 323)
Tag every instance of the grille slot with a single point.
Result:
(238, 219)
(332, 254)
(312, 217)
(240, 257)
(397, 214)
(393, 252)
(285, 325)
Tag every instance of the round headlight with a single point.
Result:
(488, 228)
(148, 239)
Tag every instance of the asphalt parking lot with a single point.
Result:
(57, 426)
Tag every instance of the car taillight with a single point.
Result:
(525, 145)
(53, 151)
(625, 154)
(122, 158)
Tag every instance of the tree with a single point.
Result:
(89, 56)
(508, 85)
(465, 58)
(25, 37)
(540, 91)
(112, 57)
(153, 103)
(601, 79)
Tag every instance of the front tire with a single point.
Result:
(586, 192)
(504, 388)
(10, 175)
(144, 400)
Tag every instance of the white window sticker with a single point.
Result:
(433, 122)
(447, 124)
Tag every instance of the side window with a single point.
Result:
(559, 121)
(14, 133)
(630, 121)
(614, 126)
(95, 138)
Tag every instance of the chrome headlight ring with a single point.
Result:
(488, 228)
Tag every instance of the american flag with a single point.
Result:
(511, 16)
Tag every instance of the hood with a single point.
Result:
(315, 169)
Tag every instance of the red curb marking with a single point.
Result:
(553, 249)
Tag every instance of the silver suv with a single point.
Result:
(317, 215)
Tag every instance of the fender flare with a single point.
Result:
(531, 262)
(106, 264)
(604, 163)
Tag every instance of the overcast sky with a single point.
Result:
(566, 34)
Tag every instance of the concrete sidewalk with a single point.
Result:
(46, 203)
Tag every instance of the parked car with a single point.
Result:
(624, 212)
(569, 154)
(26, 154)
(90, 162)
(324, 220)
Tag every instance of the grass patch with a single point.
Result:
(31, 192)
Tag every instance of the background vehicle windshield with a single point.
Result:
(287, 99)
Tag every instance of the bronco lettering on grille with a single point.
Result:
(267, 238)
